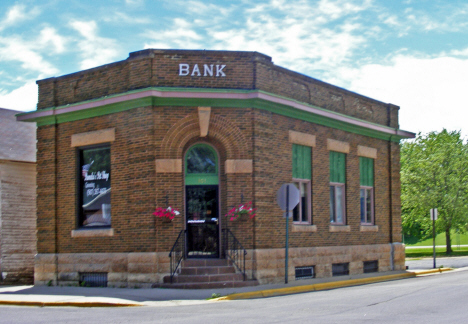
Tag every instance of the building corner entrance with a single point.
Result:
(202, 202)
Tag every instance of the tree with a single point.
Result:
(434, 174)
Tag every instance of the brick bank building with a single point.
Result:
(204, 132)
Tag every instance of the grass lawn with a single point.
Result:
(457, 239)
(440, 252)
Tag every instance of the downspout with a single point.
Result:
(390, 188)
(56, 184)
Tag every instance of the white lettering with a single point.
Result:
(184, 69)
(196, 70)
(207, 70)
(219, 70)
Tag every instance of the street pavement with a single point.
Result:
(127, 297)
(446, 262)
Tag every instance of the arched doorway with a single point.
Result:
(202, 201)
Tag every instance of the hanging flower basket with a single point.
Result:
(241, 211)
(167, 215)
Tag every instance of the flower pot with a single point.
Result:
(166, 220)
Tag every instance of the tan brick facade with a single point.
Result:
(252, 117)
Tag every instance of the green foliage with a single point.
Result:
(434, 174)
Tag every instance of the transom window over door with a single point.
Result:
(201, 165)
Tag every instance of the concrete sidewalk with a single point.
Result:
(127, 297)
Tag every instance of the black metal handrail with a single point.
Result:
(234, 250)
(177, 253)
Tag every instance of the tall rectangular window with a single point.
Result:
(337, 188)
(366, 166)
(302, 175)
(94, 198)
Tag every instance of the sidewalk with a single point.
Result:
(127, 297)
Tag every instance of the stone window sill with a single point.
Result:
(369, 228)
(340, 228)
(92, 232)
(304, 228)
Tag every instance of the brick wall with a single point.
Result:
(244, 70)
(146, 134)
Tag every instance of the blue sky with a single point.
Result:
(412, 53)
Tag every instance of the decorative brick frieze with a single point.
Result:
(93, 232)
(94, 137)
(368, 152)
(169, 166)
(239, 166)
(337, 146)
(204, 120)
(301, 138)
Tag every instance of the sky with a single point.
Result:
(411, 53)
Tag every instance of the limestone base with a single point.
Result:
(266, 265)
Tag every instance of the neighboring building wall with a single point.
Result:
(17, 221)
(17, 199)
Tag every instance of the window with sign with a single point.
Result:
(94, 199)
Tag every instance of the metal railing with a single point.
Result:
(234, 250)
(177, 253)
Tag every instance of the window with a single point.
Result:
(337, 188)
(340, 269)
(95, 187)
(305, 272)
(302, 175)
(371, 266)
(366, 166)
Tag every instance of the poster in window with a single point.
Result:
(96, 187)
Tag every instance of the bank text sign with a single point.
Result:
(205, 70)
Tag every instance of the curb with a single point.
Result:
(68, 304)
(327, 285)
(432, 271)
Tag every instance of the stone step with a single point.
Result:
(205, 278)
(207, 270)
(208, 285)
(190, 263)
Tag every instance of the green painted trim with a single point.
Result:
(201, 179)
(277, 108)
(337, 167)
(302, 162)
(366, 168)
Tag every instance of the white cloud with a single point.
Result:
(429, 90)
(123, 18)
(17, 49)
(134, 2)
(50, 39)
(182, 35)
(16, 14)
(95, 50)
(23, 98)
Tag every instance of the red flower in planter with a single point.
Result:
(242, 209)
